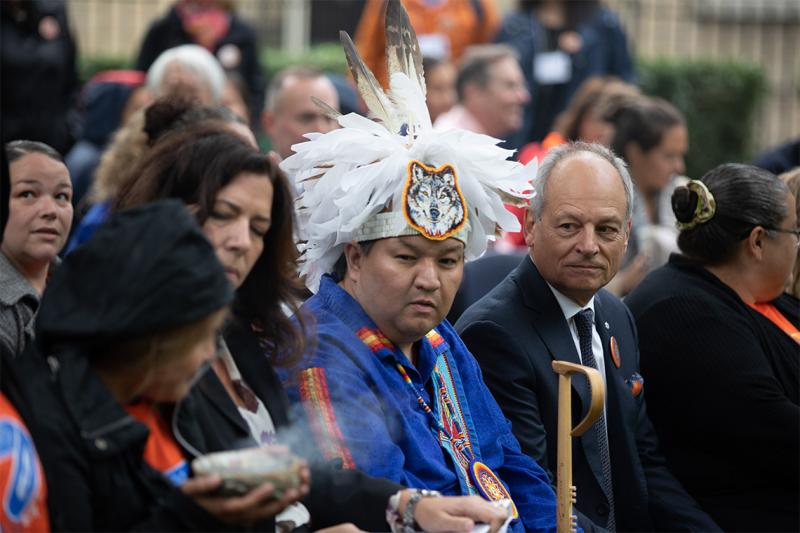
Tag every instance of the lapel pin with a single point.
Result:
(606, 325)
(615, 352)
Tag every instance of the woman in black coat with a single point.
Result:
(721, 368)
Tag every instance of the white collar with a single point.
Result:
(227, 359)
(568, 306)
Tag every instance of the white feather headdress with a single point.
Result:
(354, 181)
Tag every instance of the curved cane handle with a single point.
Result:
(565, 493)
(598, 391)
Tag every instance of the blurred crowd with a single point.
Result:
(156, 301)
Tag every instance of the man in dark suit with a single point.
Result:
(553, 307)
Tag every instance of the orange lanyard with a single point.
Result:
(775, 316)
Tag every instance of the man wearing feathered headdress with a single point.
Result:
(389, 212)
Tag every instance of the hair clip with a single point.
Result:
(706, 205)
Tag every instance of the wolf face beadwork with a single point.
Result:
(432, 202)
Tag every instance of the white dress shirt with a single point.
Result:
(570, 309)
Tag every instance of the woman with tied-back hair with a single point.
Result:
(650, 135)
(723, 378)
(243, 202)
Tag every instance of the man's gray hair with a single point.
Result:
(276, 85)
(475, 63)
(560, 153)
(193, 58)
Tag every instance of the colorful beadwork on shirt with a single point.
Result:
(434, 338)
(317, 403)
(490, 486)
(451, 416)
(446, 415)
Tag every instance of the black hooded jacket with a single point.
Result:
(149, 270)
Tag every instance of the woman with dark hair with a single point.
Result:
(650, 135)
(243, 202)
(39, 220)
(196, 165)
(723, 380)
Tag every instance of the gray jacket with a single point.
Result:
(18, 304)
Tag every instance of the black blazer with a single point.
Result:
(515, 332)
(210, 421)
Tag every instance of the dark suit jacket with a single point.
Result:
(210, 421)
(515, 332)
(480, 277)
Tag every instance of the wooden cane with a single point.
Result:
(565, 491)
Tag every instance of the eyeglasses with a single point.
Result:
(795, 232)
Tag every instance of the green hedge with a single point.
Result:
(89, 66)
(720, 102)
(327, 57)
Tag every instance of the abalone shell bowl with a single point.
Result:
(243, 470)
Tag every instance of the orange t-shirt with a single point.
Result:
(22, 486)
(457, 24)
(161, 451)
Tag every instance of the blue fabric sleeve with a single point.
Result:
(365, 439)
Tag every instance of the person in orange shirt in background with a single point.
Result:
(445, 28)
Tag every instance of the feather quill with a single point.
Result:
(330, 112)
(402, 48)
(369, 88)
